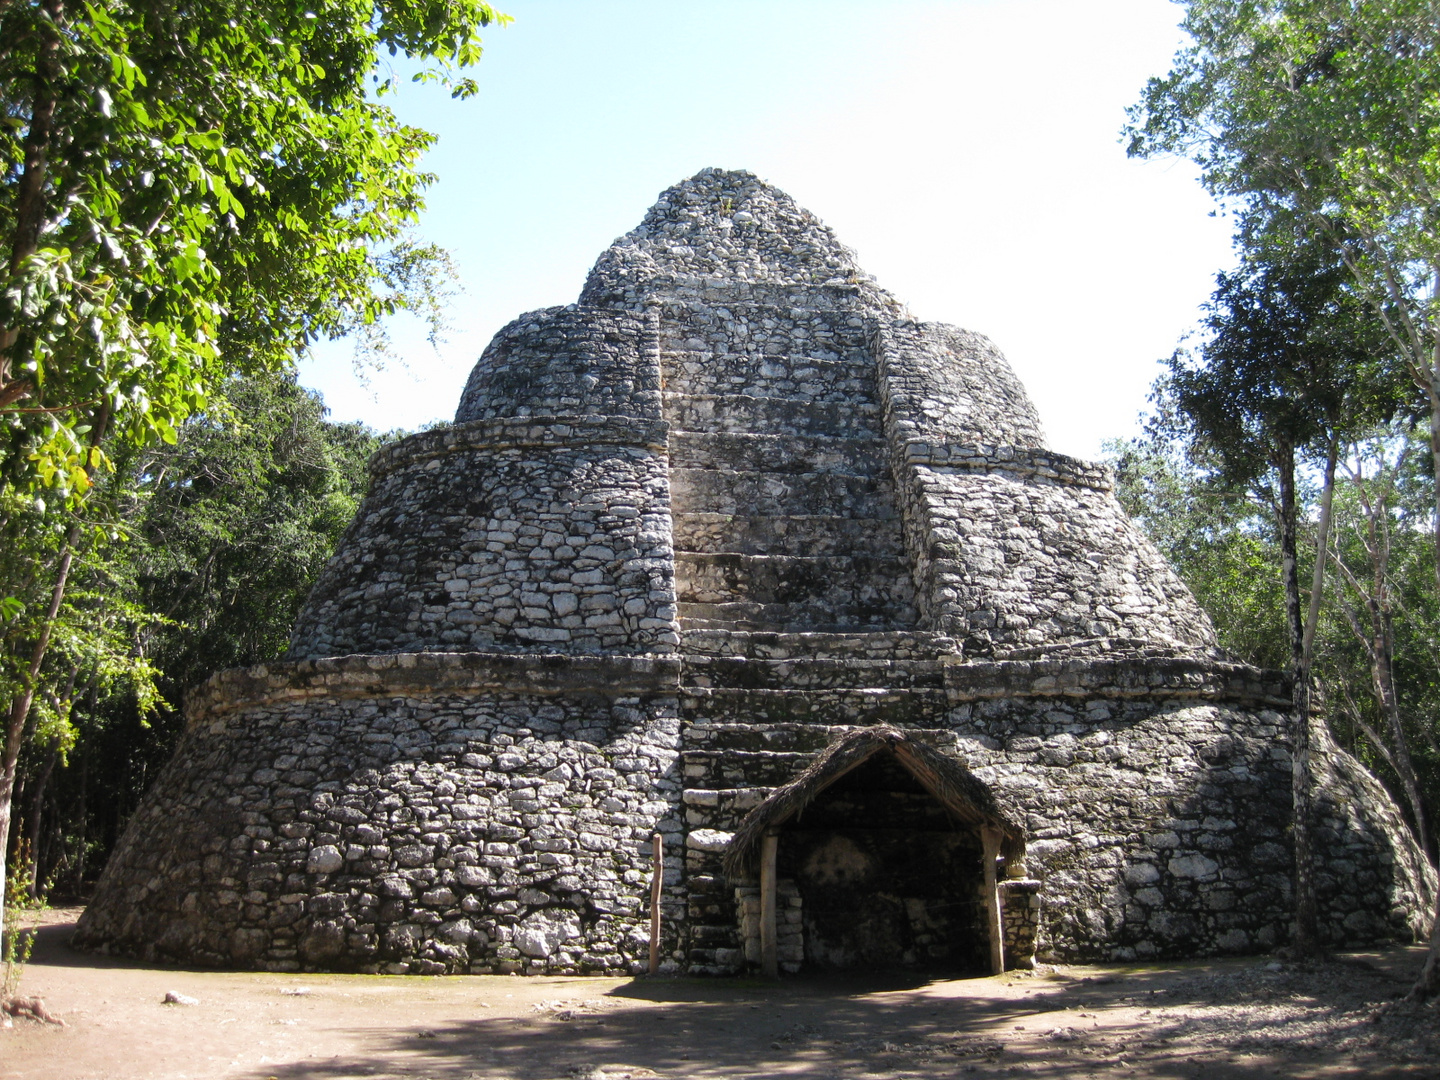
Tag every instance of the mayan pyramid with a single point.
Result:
(736, 553)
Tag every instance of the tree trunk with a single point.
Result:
(82, 819)
(1383, 667)
(20, 704)
(1428, 984)
(1429, 981)
(1305, 941)
(37, 814)
(1378, 639)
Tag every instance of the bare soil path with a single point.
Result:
(1227, 1020)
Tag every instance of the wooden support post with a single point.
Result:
(990, 843)
(657, 883)
(769, 944)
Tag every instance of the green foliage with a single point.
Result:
(94, 632)
(1223, 543)
(1318, 123)
(233, 523)
(1383, 590)
(1324, 113)
(1291, 357)
(195, 189)
(189, 192)
(17, 938)
(1220, 541)
(225, 531)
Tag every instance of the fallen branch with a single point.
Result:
(33, 1008)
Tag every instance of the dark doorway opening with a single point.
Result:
(888, 878)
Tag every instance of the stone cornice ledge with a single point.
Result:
(1142, 677)
(1025, 461)
(412, 674)
(522, 431)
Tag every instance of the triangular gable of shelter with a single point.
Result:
(945, 777)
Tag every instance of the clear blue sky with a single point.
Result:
(969, 151)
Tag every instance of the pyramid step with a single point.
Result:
(763, 324)
(923, 707)
(772, 415)
(718, 736)
(804, 378)
(836, 582)
(843, 303)
(787, 534)
(742, 768)
(774, 493)
(720, 808)
(750, 452)
(743, 615)
(881, 645)
(726, 672)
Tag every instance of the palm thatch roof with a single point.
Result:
(945, 777)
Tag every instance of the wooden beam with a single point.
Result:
(769, 938)
(657, 883)
(990, 843)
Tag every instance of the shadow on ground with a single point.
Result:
(1140, 1024)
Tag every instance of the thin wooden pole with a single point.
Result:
(769, 945)
(990, 843)
(657, 883)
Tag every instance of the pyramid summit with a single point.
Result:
(721, 226)
(734, 553)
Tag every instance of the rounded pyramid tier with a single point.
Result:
(737, 429)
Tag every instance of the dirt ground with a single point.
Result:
(1228, 1020)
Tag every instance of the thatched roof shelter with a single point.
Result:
(945, 777)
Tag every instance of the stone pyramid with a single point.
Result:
(734, 505)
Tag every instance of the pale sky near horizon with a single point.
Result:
(968, 150)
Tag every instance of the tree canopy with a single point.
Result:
(192, 189)
(1317, 123)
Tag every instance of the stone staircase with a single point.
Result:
(756, 708)
(795, 599)
(784, 509)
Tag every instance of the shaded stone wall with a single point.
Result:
(1164, 830)
(505, 535)
(468, 824)
(1155, 792)
(1020, 915)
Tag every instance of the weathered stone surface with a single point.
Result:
(542, 933)
(682, 534)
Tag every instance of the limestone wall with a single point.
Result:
(1014, 549)
(505, 535)
(1012, 545)
(567, 361)
(1163, 830)
(947, 385)
(472, 822)
(1157, 828)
